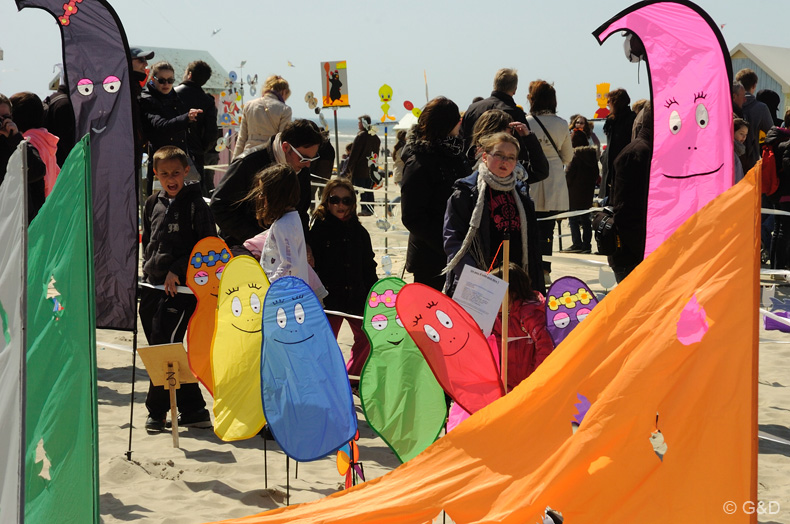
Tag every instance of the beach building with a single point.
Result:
(772, 65)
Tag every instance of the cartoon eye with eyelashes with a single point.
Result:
(702, 116)
(201, 278)
(432, 333)
(299, 313)
(417, 320)
(112, 84)
(235, 306)
(85, 87)
(444, 318)
(255, 303)
(398, 321)
(431, 304)
(674, 122)
(219, 272)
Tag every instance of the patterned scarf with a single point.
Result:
(472, 242)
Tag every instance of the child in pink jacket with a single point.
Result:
(529, 339)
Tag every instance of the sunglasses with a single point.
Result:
(335, 200)
(304, 159)
(164, 81)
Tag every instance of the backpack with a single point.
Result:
(775, 150)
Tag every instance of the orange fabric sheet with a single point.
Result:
(511, 459)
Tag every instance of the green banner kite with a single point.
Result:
(61, 464)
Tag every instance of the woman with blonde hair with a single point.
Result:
(264, 117)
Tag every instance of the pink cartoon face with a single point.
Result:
(692, 159)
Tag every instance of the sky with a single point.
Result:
(458, 45)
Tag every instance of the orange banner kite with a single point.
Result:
(645, 413)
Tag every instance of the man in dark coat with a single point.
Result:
(630, 177)
(233, 212)
(201, 137)
(505, 85)
(358, 169)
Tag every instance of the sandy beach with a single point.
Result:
(205, 479)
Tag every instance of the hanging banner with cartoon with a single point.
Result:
(569, 302)
(402, 401)
(204, 272)
(452, 344)
(661, 426)
(385, 95)
(601, 90)
(230, 102)
(96, 71)
(236, 350)
(690, 78)
(305, 390)
(334, 79)
(62, 430)
(13, 238)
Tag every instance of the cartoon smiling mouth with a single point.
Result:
(98, 131)
(696, 174)
(396, 342)
(214, 295)
(459, 349)
(297, 342)
(237, 327)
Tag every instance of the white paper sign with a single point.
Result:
(480, 294)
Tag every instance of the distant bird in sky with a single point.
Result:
(214, 32)
(290, 64)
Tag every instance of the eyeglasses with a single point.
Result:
(302, 159)
(335, 200)
(502, 158)
(164, 81)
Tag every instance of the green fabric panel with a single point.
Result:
(402, 401)
(61, 354)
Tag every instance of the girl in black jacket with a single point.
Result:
(344, 261)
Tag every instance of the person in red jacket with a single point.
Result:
(529, 339)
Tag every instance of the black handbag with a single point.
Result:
(605, 231)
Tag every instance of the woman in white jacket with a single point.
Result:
(264, 117)
(550, 195)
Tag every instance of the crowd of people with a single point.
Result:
(468, 181)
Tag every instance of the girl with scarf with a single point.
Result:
(433, 160)
(485, 207)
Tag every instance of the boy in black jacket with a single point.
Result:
(175, 219)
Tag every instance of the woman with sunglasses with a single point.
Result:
(344, 261)
(165, 118)
(488, 206)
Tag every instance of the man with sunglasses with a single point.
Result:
(166, 119)
(297, 145)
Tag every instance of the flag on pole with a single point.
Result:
(61, 467)
(96, 70)
(13, 238)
